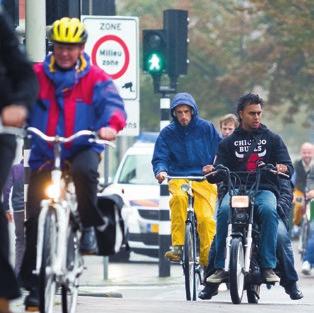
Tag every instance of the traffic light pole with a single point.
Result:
(164, 213)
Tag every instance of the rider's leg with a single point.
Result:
(222, 228)
(209, 290)
(38, 183)
(221, 233)
(205, 197)
(285, 255)
(289, 276)
(178, 206)
(84, 168)
(8, 284)
(19, 216)
(267, 218)
(308, 258)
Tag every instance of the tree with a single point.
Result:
(236, 47)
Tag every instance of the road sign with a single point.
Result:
(113, 46)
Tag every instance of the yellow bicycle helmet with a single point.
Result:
(68, 30)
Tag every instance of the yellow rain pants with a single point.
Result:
(205, 197)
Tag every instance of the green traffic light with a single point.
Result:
(155, 63)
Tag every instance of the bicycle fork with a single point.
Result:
(247, 248)
(62, 220)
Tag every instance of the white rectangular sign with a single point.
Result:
(113, 45)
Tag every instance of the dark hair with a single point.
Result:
(248, 99)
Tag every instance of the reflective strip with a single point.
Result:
(164, 228)
(165, 103)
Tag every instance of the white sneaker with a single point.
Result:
(306, 268)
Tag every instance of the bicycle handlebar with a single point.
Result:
(190, 177)
(186, 177)
(59, 139)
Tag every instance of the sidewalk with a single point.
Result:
(123, 275)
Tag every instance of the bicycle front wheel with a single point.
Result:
(47, 278)
(236, 275)
(189, 259)
(74, 265)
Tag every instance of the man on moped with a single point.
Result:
(268, 148)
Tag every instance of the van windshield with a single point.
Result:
(137, 170)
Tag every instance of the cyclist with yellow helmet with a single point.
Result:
(74, 95)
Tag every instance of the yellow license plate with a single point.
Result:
(154, 228)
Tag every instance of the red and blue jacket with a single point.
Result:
(68, 101)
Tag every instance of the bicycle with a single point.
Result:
(190, 255)
(242, 241)
(59, 263)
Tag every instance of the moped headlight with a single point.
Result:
(240, 202)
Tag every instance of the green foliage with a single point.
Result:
(235, 47)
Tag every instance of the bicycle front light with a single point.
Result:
(185, 187)
(53, 191)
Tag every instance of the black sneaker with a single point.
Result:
(209, 291)
(293, 291)
(218, 277)
(31, 301)
(88, 245)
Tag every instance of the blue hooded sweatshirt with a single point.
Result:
(184, 150)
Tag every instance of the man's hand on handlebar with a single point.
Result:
(281, 168)
(161, 177)
(13, 115)
(207, 169)
(107, 133)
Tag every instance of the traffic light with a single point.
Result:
(154, 51)
(176, 30)
(56, 9)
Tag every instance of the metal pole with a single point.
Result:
(35, 24)
(106, 180)
(94, 7)
(164, 214)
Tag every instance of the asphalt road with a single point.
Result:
(137, 288)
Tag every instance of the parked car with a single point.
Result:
(135, 182)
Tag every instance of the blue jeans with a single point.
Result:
(309, 249)
(285, 257)
(265, 215)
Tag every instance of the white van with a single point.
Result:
(135, 182)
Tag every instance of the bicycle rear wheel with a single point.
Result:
(47, 279)
(189, 258)
(236, 275)
(74, 264)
